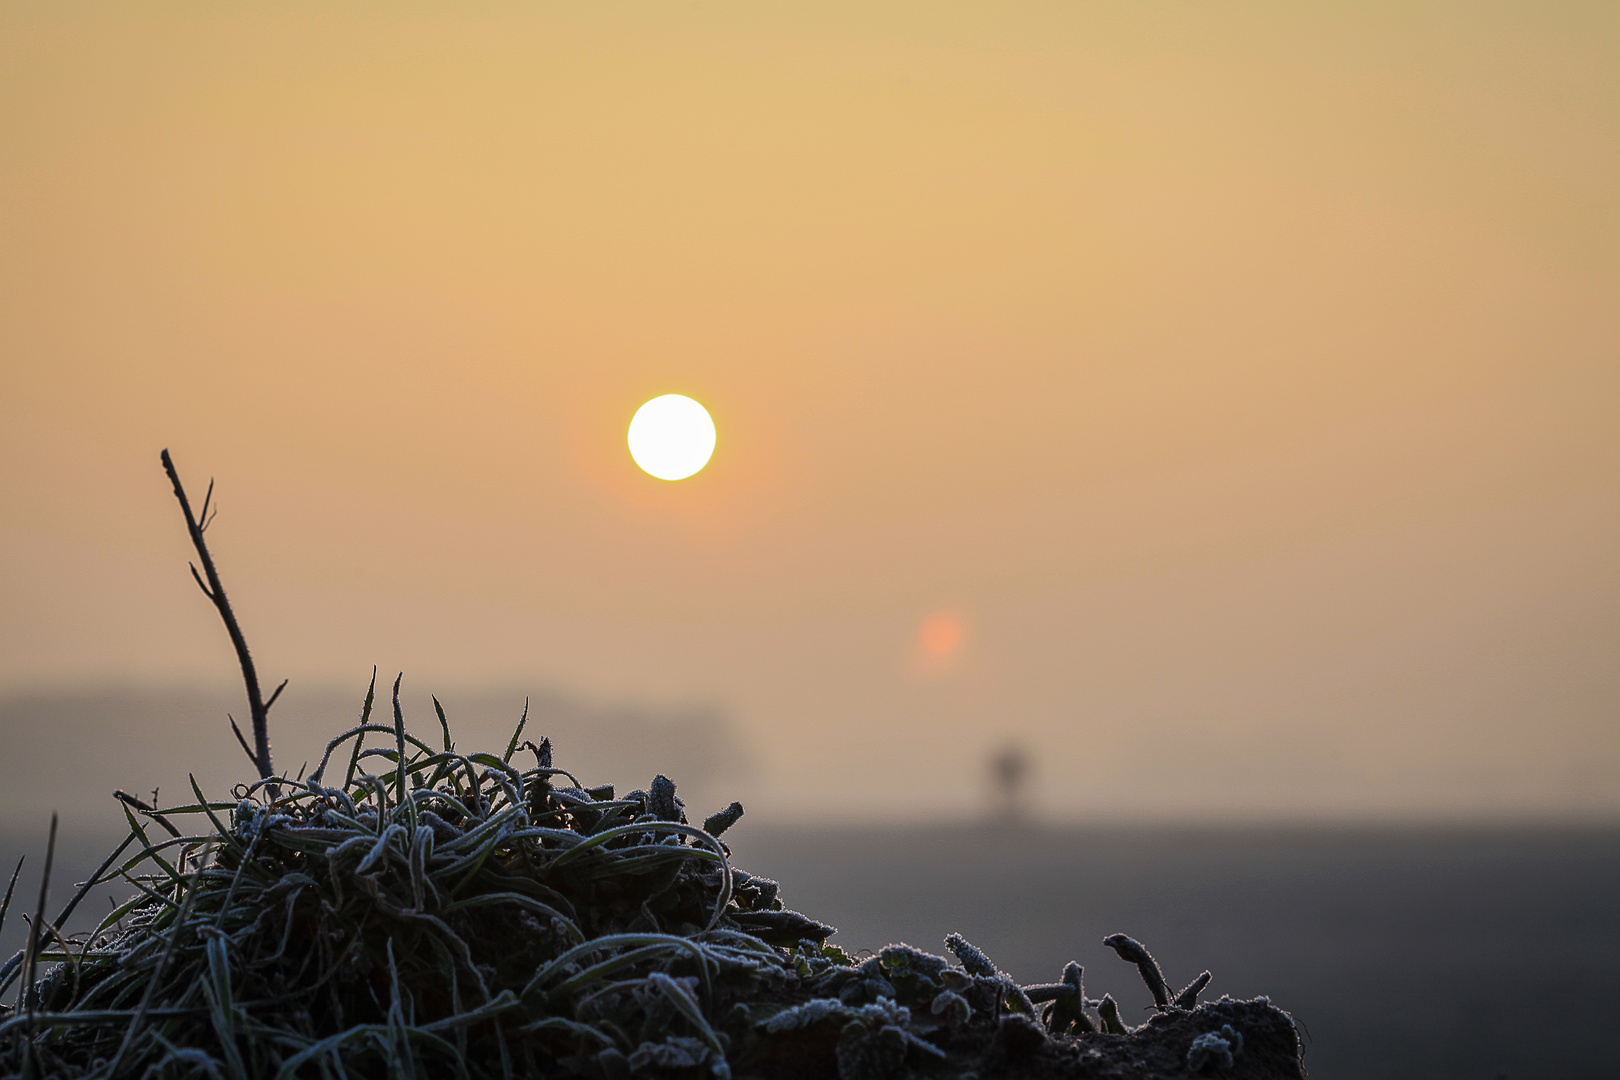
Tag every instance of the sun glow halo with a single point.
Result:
(671, 437)
(941, 634)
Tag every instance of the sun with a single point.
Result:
(671, 437)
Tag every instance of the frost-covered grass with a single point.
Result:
(476, 915)
(450, 906)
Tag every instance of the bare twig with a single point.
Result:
(215, 592)
(203, 519)
(246, 749)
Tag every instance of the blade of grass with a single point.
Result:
(29, 964)
(400, 792)
(443, 724)
(511, 747)
(129, 800)
(84, 890)
(225, 835)
(365, 718)
(6, 905)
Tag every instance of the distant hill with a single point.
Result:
(64, 746)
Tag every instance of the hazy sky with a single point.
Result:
(1241, 382)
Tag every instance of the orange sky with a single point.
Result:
(1243, 379)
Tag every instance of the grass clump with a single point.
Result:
(478, 915)
(452, 913)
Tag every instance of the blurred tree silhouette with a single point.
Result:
(1010, 770)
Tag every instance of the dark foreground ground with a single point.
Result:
(1406, 953)
(1429, 953)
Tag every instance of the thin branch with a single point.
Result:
(246, 749)
(277, 694)
(208, 498)
(216, 593)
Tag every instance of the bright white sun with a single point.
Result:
(671, 437)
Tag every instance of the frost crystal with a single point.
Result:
(1214, 1048)
(973, 958)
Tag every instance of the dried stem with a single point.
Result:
(258, 708)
